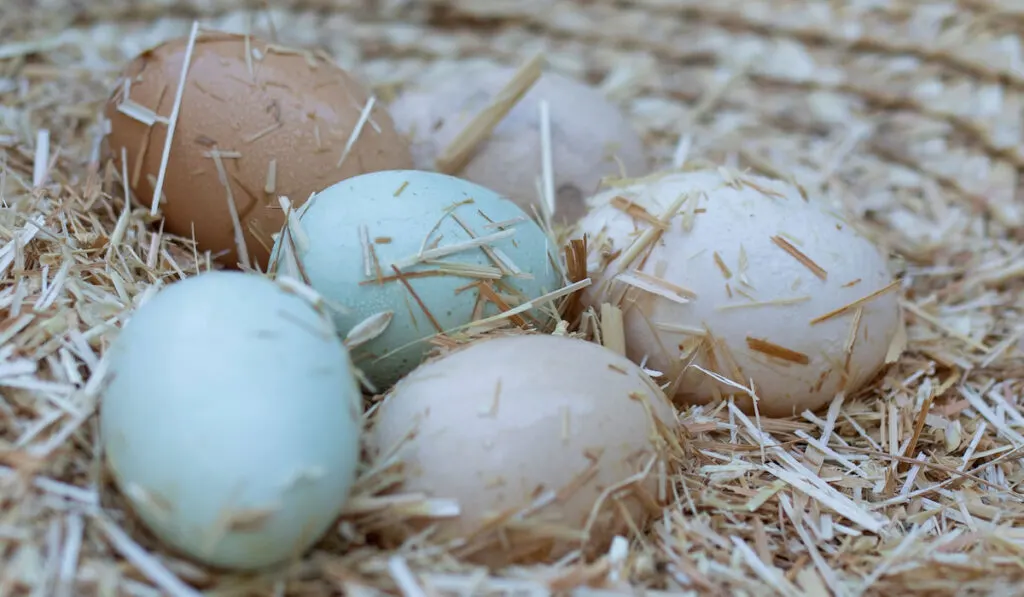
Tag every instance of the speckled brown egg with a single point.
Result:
(257, 121)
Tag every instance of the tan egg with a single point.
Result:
(276, 119)
(747, 280)
(540, 440)
(591, 139)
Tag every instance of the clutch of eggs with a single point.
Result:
(405, 255)
(746, 279)
(257, 121)
(528, 446)
(591, 139)
(231, 419)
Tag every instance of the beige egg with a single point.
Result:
(540, 440)
(746, 280)
(591, 139)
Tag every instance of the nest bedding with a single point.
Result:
(909, 115)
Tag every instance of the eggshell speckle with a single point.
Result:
(231, 420)
(540, 425)
(589, 136)
(282, 110)
(732, 282)
(354, 233)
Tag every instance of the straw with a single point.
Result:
(906, 116)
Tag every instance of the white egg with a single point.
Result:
(590, 137)
(406, 255)
(529, 435)
(748, 280)
(231, 420)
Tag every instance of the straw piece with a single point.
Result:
(42, 159)
(547, 160)
(368, 329)
(144, 562)
(173, 120)
(236, 224)
(852, 306)
(612, 334)
(458, 153)
(364, 116)
(804, 260)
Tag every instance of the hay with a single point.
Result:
(907, 114)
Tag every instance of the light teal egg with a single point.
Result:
(353, 236)
(231, 419)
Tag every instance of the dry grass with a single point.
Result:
(908, 115)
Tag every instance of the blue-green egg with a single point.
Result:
(403, 256)
(231, 419)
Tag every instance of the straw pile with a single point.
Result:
(908, 114)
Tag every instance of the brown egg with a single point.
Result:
(276, 122)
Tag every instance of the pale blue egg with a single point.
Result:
(354, 234)
(231, 420)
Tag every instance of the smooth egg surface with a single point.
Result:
(231, 420)
(528, 435)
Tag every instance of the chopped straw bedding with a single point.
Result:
(908, 113)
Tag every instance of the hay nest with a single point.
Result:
(908, 113)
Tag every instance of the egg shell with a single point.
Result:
(231, 420)
(749, 289)
(505, 424)
(588, 134)
(293, 109)
(356, 230)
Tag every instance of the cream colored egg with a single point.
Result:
(748, 280)
(591, 139)
(539, 440)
